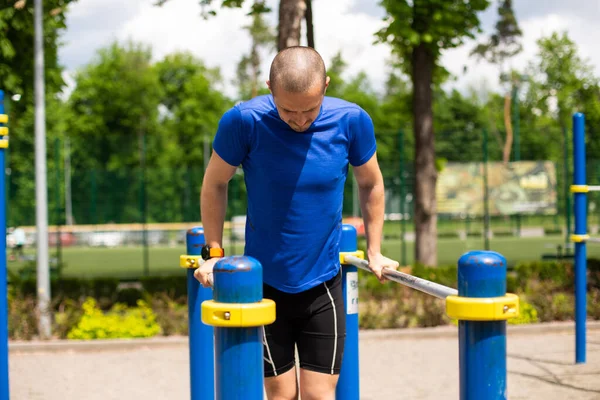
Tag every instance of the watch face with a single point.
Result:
(205, 253)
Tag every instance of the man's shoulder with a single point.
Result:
(337, 105)
(344, 110)
(256, 106)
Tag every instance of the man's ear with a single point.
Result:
(326, 84)
(269, 86)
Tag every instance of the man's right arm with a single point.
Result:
(213, 199)
(213, 204)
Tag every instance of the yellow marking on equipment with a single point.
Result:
(3, 131)
(3, 119)
(580, 188)
(3, 143)
(483, 309)
(358, 254)
(186, 261)
(579, 238)
(238, 315)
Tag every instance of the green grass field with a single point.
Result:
(127, 262)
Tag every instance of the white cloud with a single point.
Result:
(177, 26)
(583, 32)
(353, 35)
(339, 26)
(220, 41)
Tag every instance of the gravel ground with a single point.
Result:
(398, 364)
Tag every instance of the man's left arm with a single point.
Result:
(371, 194)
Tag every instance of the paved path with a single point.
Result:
(397, 364)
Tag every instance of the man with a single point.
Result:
(19, 244)
(295, 146)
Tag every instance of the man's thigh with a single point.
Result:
(279, 340)
(322, 336)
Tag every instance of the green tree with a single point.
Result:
(193, 106)
(114, 133)
(418, 31)
(458, 120)
(560, 78)
(16, 79)
(17, 50)
(502, 45)
(248, 70)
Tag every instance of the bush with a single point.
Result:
(527, 314)
(68, 314)
(503, 233)
(22, 316)
(593, 303)
(448, 235)
(552, 231)
(171, 315)
(560, 274)
(119, 322)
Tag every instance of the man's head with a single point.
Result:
(298, 81)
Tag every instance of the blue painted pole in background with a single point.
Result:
(202, 381)
(238, 350)
(348, 387)
(482, 344)
(4, 390)
(580, 204)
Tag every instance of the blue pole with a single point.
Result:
(348, 387)
(4, 392)
(238, 350)
(580, 201)
(482, 344)
(202, 381)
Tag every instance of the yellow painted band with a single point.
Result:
(483, 309)
(3, 131)
(579, 238)
(3, 143)
(190, 261)
(579, 189)
(3, 119)
(358, 254)
(238, 315)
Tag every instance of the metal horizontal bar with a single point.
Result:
(594, 239)
(593, 188)
(423, 285)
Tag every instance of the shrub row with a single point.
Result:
(105, 308)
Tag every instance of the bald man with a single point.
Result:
(295, 146)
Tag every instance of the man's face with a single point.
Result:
(299, 110)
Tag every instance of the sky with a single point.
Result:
(345, 26)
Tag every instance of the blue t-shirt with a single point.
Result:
(295, 184)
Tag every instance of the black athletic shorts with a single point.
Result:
(314, 321)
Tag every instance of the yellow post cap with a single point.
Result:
(187, 261)
(483, 309)
(238, 315)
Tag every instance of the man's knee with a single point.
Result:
(282, 387)
(317, 385)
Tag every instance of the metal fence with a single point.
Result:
(154, 207)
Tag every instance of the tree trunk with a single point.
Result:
(255, 62)
(291, 14)
(425, 170)
(310, 30)
(509, 130)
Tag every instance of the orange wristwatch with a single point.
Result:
(211, 252)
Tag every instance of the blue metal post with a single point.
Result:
(348, 387)
(482, 344)
(580, 204)
(4, 391)
(202, 378)
(238, 351)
